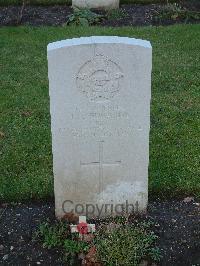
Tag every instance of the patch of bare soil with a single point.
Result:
(135, 15)
(177, 224)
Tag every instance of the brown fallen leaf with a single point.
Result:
(70, 217)
(2, 134)
(88, 237)
(26, 113)
(91, 258)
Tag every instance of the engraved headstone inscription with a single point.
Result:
(100, 91)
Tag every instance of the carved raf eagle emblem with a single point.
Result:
(99, 79)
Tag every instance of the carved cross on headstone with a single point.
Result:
(101, 163)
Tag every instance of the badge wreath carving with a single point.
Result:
(99, 79)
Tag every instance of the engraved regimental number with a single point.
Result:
(99, 79)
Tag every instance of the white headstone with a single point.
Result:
(100, 90)
(96, 4)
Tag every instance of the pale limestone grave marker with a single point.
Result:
(100, 90)
(96, 4)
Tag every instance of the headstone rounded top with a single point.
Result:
(98, 40)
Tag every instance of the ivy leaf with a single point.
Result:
(83, 22)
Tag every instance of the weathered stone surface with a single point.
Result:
(97, 4)
(100, 89)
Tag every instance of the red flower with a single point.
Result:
(82, 228)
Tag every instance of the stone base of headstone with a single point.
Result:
(96, 4)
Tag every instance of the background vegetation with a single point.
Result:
(68, 2)
(26, 158)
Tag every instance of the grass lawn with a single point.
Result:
(26, 159)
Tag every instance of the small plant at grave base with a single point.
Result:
(73, 248)
(155, 254)
(84, 17)
(176, 12)
(59, 236)
(126, 245)
(52, 235)
(116, 14)
(115, 243)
